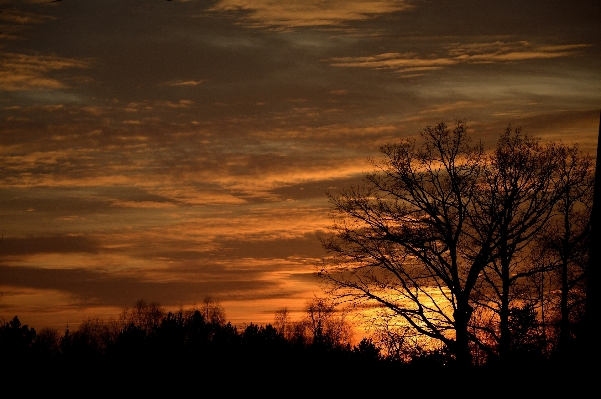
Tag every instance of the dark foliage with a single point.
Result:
(16, 340)
(185, 348)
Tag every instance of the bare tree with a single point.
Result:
(594, 259)
(47, 342)
(283, 324)
(398, 341)
(442, 228)
(520, 190)
(404, 240)
(325, 325)
(143, 315)
(212, 311)
(563, 247)
(93, 337)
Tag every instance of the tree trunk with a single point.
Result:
(505, 339)
(592, 281)
(564, 326)
(462, 317)
(504, 259)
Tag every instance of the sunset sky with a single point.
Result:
(170, 150)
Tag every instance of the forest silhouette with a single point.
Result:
(150, 351)
(475, 264)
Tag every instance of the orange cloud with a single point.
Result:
(290, 14)
(186, 82)
(19, 72)
(179, 104)
(460, 54)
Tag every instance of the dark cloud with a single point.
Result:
(318, 190)
(102, 289)
(51, 244)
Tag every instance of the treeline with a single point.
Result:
(147, 333)
(147, 350)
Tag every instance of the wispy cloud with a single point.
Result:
(179, 104)
(298, 13)
(20, 72)
(13, 16)
(475, 53)
(186, 82)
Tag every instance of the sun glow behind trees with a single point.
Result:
(442, 213)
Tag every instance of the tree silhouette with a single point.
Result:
(212, 311)
(563, 246)
(442, 229)
(520, 191)
(47, 343)
(143, 315)
(402, 240)
(594, 262)
(367, 349)
(283, 324)
(326, 327)
(16, 340)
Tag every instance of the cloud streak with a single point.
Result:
(478, 53)
(19, 72)
(295, 14)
